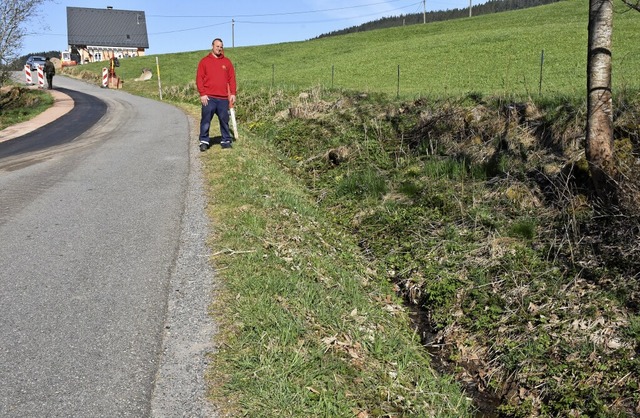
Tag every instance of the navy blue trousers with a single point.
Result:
(219, 107)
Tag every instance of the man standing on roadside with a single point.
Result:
(216, 83)
(49, 71)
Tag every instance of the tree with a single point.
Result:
(599, 147)
(14, 14)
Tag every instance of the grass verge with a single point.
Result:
(19, 104)
(308, 328)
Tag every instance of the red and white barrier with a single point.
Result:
(105, 77)
(40, 77)
(27, 74)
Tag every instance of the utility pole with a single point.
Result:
(233, 33)
(424, 11)
(470, 7)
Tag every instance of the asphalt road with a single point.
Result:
(87, 111)
(104, 281)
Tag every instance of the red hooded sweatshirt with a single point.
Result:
(214, 75)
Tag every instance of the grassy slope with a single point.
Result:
(308, 329)
(18, 104)
(494, 55)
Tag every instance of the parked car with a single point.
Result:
(35, 60)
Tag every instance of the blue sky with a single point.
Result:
(190, 25)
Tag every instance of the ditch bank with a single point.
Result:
(480, 211)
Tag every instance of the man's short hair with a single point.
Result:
(217, 39)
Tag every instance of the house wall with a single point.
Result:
(98, 53)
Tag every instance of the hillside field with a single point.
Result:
(497, 54)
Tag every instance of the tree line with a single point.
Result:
(492, 6)
(18, 63)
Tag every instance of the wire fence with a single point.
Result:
(401, 81)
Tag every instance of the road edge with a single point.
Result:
(180, 387)
(62, 104)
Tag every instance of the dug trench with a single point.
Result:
(604, 269)
(485, 401)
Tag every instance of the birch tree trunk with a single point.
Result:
(599, 147)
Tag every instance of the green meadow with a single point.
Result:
(497, 54)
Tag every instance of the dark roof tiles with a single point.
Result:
(106, 27)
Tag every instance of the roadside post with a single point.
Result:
(105, 77)
(40, 77)
(27, 74)
(541, 69)
(159, 82)
(332, 74)
(398, 91)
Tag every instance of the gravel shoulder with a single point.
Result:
(180, 387)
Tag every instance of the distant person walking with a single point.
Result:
(216, 83)
(49, 71)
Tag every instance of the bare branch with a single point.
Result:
(633, 4)
(14, 14)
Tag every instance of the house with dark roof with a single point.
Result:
(102, 34)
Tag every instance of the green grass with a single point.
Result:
(309, 330)
(20, 104)
(474, 244)
(491, 55)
